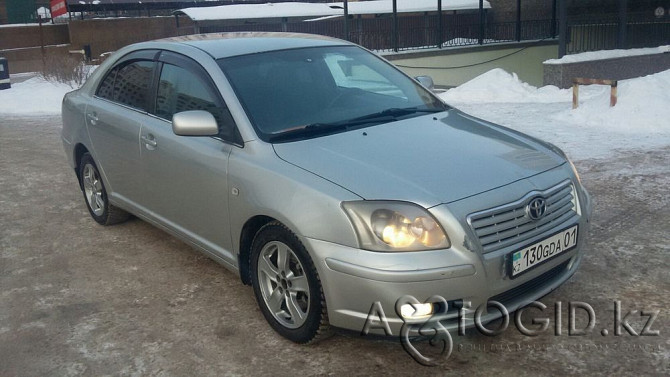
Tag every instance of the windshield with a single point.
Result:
(309, 92)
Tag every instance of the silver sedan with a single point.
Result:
(326, 178)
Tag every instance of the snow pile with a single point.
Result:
(643, 105)
(608, 54)
(639, 121)
(33, 96)
(497, 85)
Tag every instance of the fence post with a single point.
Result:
(395, 25)
(39, 19)
(360, 29)
(439, 24)
(346, 20)
(481, 22)
(518, 20)
(623, 23)
(563, 28)
(553, 19)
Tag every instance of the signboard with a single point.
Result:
(58, 8)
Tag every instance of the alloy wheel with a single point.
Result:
(283, 284)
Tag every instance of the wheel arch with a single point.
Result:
(79, 151)
(249, 230)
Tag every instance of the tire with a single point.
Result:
(95, 194)
(290, 298)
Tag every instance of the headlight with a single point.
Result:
(560, 152)
(395, 226)
(574, 170)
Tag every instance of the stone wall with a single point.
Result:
(561, 75)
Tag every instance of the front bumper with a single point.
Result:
(355, 280)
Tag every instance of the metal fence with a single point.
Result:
(606, 34)
(413, 32)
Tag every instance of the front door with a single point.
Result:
(186, 177)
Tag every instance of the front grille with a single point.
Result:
(533, 285)
(509, 224)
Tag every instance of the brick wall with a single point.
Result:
(29, 36)
(30, 59)
(104, 35)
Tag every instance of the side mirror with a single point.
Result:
(194, 123)
(426, 82)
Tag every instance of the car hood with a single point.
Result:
(429, 160)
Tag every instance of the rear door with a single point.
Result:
(113, 119)
(186, 178)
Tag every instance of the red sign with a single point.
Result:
(58, 8)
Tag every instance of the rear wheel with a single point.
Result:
(96, 195)
(287, 286)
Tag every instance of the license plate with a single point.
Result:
(541, 251)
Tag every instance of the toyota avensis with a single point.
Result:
(325, 177)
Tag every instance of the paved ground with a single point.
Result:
(80, 299)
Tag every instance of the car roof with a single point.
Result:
(223, 45)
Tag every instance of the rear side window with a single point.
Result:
(181, 90)
(131, 84)
(106, 88)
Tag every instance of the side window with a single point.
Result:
(131, 85)
(181, 90)
(106, 88)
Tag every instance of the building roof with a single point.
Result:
(296, 9)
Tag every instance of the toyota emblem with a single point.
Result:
(536, 208)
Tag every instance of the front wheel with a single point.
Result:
(287, 286)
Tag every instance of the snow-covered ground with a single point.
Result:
(639, 121)
(34, 96)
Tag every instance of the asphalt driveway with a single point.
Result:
(77, 298)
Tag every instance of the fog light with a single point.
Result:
(416, 311)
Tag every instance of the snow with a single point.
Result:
(497, 85)
(32, 97)
(269, 10)
(294, 9)
(639, 121)
(608, 54)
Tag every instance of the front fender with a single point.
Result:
(261, 184)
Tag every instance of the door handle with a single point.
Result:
(150, 141)
(92, 118)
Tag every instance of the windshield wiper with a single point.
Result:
(396, 112)
(325, 128)
(388, 115)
